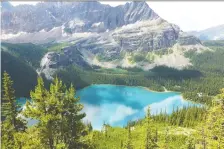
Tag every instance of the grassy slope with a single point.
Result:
(116, 137)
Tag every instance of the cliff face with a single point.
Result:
(93, 29)
(76, 16)
(129, 27)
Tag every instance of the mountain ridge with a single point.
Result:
(59, 13)
(212, 33)
(129, 35)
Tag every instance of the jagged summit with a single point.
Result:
(102, 35)
(80, 16)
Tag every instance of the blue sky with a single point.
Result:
(189, 15)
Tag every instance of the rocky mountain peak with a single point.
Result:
(47, 15)
(97, 34)
(6, 6)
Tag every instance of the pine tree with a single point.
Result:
(58, 115)
(166, 139)
(215, 121)
(12, 123)
(72, 119)
(129, 143)
(150, 141)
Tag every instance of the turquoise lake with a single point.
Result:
(117, 105)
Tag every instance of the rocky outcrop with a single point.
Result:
(55, 60)
(92, 26)
(185, 39)
(75, 16)
(96, 30)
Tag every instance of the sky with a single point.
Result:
(189, 15)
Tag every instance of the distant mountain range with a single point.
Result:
(91, 33)
(213, 33)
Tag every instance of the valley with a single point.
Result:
(121, 78)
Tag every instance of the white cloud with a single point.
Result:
(121, 112)
(109, 113)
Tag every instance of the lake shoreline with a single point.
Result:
(146, 88)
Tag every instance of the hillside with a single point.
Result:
(128, 36)
(213, 33)
(27, 52)
(23, 75)
(101, 77)
(21, 62)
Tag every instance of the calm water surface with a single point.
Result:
(117, 105)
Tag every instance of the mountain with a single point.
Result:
(213, 33)
(77, 16)
(20, 62)
(130, 35)
(6, 6)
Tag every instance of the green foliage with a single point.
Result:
(197, 83)
(30, 54)
(161, 52)
(56, 46)
(59, 124)
(137, 57)
(215, 123)
(82, 78)
(104, 58)
(58, 115)
(12, 124)
(24, 76)
(186, 117)
(172, 73)
(214, 43)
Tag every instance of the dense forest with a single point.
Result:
(60, 124)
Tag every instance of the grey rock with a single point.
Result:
(185, 39)
(93, 27)
(56, 60)
(48, 15)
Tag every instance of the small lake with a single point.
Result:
(117, 105)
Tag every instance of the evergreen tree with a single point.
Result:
(150, 141)
(71, 119)
(12, 123)
(166, 139)
(215, 122)
(58, 115)
(129, 143)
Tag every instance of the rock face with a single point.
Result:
(92, 25)
(185, 39)
(95, 30)
(75, 16)
(54, 60)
